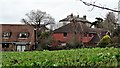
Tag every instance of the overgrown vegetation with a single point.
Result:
(44, 40)
(116, 37)
(95, 57)
(105, 41)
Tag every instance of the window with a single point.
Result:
(5, 45)
(6, 34)
(65, 34)
(23, 35)
(20, 47)
(90, 35)
(75, 32)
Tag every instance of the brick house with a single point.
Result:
(17, 37)
(80, 31)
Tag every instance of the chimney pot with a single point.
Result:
(84, 17)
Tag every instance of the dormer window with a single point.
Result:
(23, 35)
(6, 34)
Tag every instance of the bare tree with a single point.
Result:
(102, 7)
(110, 22)
(37, 19)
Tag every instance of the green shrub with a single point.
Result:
(105, 41)
(44, 44)
(44, 40)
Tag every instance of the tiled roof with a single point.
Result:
(98, 30)
(95, 39)
(73, 27)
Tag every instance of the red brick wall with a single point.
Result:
(16, 29)
(59, 36)
(79, 37)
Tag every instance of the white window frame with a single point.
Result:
(25, 34)
(6, 35)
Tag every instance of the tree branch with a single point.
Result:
(89, 4)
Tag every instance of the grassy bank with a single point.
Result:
(75, 57)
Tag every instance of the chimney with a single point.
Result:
(84, 17)
(71, 15)
(77, 16)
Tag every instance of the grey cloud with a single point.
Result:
(14, 10)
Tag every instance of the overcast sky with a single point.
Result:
(12, 11)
